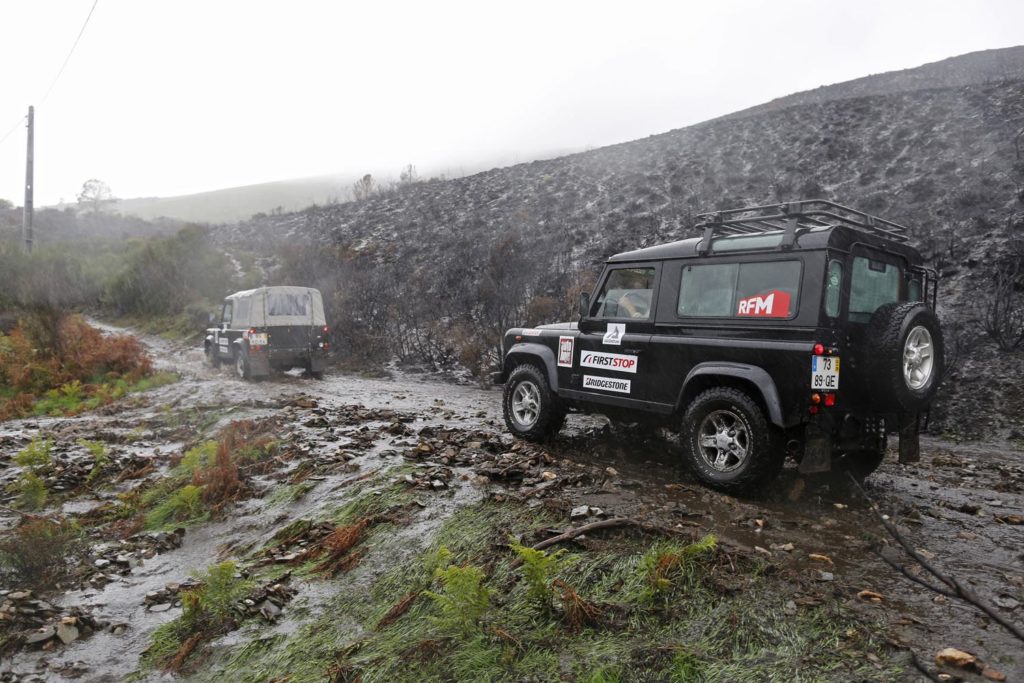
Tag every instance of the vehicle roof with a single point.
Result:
(275, 288)
(807, 239)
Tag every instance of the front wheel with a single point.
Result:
(531, 410)
(211, 356)
(728, 442)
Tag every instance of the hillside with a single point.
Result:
(508, 244)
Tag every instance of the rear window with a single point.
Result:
(288, 303)
(872, 285)
(740, 290)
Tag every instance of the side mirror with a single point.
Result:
(584, 304)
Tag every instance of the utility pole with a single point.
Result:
(26, 225)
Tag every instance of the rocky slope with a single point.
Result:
(934, 148)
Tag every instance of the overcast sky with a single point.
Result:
(173, 97)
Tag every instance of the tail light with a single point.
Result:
(819, 349)
(830, 400)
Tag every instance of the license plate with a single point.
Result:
(825, 373)
(258, 339)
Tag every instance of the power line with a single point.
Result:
(13, 128)
(70, 52)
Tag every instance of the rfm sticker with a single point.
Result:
(773, 305)
(565, 348)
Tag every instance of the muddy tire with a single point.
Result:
(242, 369)
(905, 356)
(531, 410)
(728, 443)
(859, 463)
(211, 356)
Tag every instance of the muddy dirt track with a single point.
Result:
(961, 506)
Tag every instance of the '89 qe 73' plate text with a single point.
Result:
(825, 373)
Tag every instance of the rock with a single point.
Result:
(41, 635)
(118, 629)
(101, 563)
(611, 471)
(789, 609)
(66, 630)
(950, 656)
(785, 547)
(826, 576)
(1007, 602)
(993, 674)
(548, 475)
(20, 595)
(160, 607)
(269, 610)
(869, 596)
(580, 512)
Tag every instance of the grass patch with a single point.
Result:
(635, 610)
(208, 612)
(35, 461)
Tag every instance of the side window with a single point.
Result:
(872, 285)
(626, 293)
(766, 289)
(225, 316)
(915, 292)
(241, 313)
(708, 290)
(833, 288)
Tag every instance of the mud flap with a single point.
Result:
(910, 442)
(817, 451)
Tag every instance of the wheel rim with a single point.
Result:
(526, 404)
(918, 358)
(723, 440)
(240, 366)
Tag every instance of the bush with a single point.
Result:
(39, 552)
(540, 568)
(463, 599)
(208, 611)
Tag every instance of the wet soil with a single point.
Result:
(961, 506)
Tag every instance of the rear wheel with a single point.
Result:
(242, 365)
(728, 442)
(531, 410)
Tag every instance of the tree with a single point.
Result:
(364, 187)
(408, 175)
(95, 196)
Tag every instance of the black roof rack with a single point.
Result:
(809, 213)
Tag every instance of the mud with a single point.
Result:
(961, 505)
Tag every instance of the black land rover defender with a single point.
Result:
(270, 328)
(804, 329)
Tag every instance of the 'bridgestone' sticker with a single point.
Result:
(608, 361)
(606, 384)
(565, 349)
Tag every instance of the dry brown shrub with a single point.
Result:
(399, 608)
(335, 547)
(220, 481)
(37, 551)
(578, 612)
(187, 648)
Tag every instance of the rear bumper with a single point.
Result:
(261, 362)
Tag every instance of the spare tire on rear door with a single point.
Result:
(905, 355)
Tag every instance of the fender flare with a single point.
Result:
(545, 355)
(749, 373)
